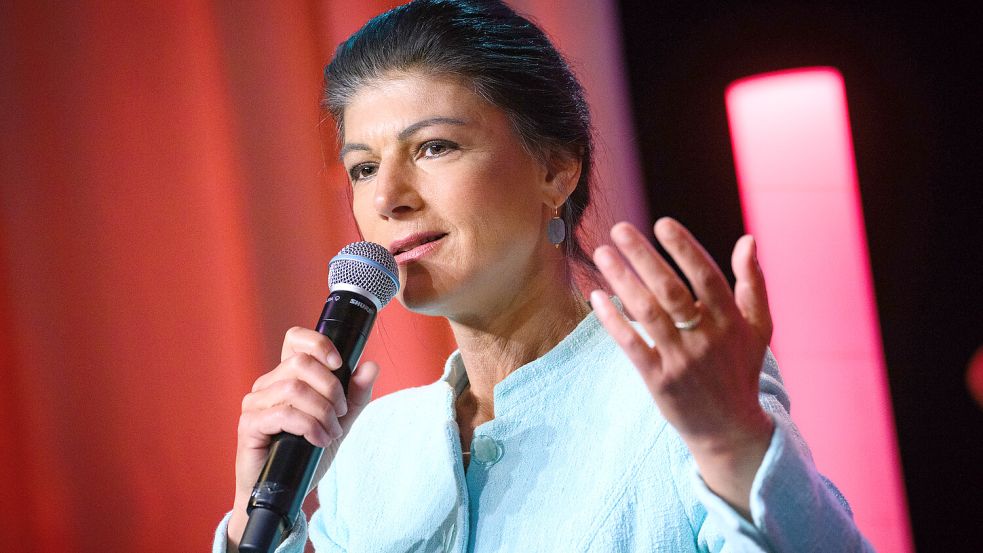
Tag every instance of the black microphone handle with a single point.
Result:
(346, 320)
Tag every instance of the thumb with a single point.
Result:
(749, 287)
(360, 390)
(359, 395)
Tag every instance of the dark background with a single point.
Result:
(911, 75)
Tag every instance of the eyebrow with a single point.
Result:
(405, 133)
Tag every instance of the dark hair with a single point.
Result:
(503, 56)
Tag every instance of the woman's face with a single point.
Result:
(440, 178)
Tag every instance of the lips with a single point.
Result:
(415, 245)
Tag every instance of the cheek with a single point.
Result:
(506, 189)
(363, 213)
(513, 210)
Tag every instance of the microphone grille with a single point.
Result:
(368, 266)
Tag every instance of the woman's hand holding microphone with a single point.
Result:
(300, 396)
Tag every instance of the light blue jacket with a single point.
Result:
(577, 458)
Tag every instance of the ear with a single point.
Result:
(562, 176)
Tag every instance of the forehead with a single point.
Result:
(387, 105)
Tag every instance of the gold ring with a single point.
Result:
(689, 324)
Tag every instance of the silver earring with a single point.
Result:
(557, 229)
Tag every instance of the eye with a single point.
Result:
(362, 171)
(436, 148)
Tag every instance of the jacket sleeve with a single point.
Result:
(293, 543)
(793, 507)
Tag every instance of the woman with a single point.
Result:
(467, 142)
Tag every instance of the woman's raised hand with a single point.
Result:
(300, 396)
(703, 367)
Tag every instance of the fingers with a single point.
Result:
(750, 293)
(360, 385)
(639, 352)
(306, 368)
(637, 298)
(708, 282)
(256, 428)
(311, 342)
(654, 272)
(299, 396)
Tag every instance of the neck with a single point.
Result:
(522, 328)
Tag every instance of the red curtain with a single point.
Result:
(168, 202)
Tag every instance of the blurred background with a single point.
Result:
(169, 198)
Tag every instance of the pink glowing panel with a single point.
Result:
(974, 376)
(791, 137)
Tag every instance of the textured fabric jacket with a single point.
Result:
(577, 458)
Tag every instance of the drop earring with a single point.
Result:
(556, 230)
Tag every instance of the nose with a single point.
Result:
(395, 193)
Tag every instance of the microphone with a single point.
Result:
(362, 279)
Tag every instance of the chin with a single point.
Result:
(422, 306)
(419, 295)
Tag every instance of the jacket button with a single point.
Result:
(486, 450)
